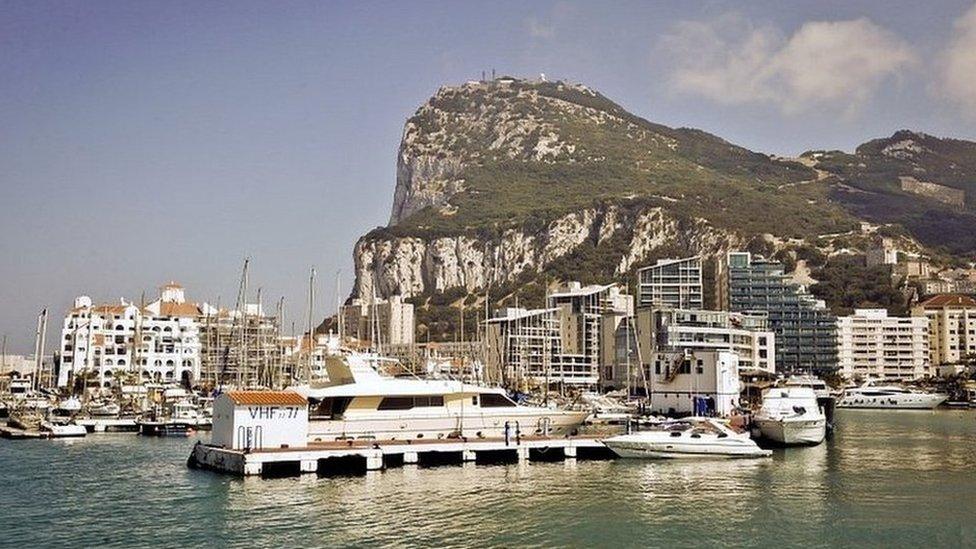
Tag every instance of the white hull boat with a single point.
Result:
(359, 403)
(691, 438)
(791, 416)
(67, 430)
(794, 431)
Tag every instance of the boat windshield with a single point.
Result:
(329, 408)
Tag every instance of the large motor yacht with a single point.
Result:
(695, 437)
(791, 415)
(871, 395)
(357, 402)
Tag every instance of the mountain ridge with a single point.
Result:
(508, 184)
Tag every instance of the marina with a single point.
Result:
(911, 471)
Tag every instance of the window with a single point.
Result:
(495, 400)
(396, 403)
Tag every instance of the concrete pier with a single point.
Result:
(357, 456)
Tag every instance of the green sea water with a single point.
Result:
(885, 479)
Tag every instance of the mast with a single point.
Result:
(38, 348)
(279, 349)
(311, 334)
(338, 304)
(3, 353)
(242, 312)
(261, 369)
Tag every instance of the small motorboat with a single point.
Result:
(791, 415)
(63, 430)
(694, 437)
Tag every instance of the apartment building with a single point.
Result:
(873, 345)
(952, 328)
(675, 283)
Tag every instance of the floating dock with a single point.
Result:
(360, 456)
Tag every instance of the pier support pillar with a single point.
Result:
(374, 462)
(410, 458)
(468, 455)
(569, 452)
(252, 468)
(310, 465)
(523, 453)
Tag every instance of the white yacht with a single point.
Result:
(357, 402)
(694, 437)
(871, 395)
(791, 415)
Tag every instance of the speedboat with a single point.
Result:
(896, 397)
(358, 402)
(63, 430)
(791, 415)
(694, 437)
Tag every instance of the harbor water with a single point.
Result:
(885, 479)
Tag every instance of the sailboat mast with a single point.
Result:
(311, 334)
(39, 347)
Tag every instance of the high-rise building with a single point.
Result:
(806, 332)
(675, 283)
(952, 327)
(873, 345)
(381, 321)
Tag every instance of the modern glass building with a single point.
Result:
(806, 332)
(675, 283)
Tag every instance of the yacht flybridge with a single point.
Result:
(871, 395)
(359, 403)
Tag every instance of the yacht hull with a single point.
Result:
(440, 426)
(793, 431)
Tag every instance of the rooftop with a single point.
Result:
(267, 398)
(948, 300)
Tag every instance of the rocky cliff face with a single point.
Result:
(515, 181)
(412, 266)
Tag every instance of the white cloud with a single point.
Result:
(957, 81)
(837, 64)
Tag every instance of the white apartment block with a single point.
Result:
(382, 321)
(673, 283)
(160, 343)
(952, 327)
(871, 344)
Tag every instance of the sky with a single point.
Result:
(142, 142)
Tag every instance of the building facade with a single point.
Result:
(381, 321)
(806, 332)
(952, 328)
(675, 283)
(564, 343)
(240, 347)
(706, 383)
(123, 343)
(873, 345)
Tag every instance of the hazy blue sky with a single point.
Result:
(142, 142)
